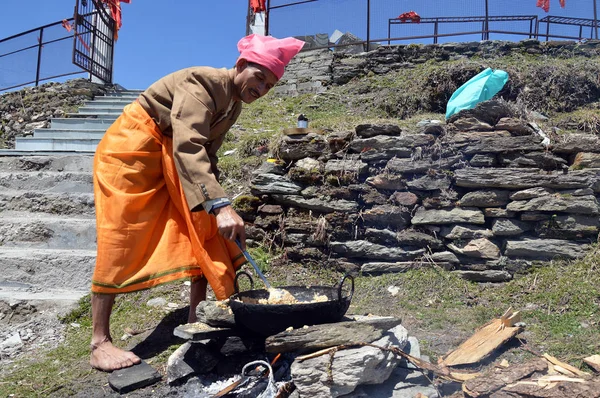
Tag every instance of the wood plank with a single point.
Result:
(487, 339)
(559, 365)
(593, 361)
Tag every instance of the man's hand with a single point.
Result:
(231, 225)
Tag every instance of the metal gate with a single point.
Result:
(93, 48)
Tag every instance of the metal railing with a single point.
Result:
(366, 21)
(20, 55)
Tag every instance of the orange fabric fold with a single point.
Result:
(145, 232)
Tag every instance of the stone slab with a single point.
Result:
(201, 331)
(132, 378)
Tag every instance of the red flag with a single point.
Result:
(67, 25)
(545, 4)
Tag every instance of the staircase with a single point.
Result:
(81, 131)
(47, 215)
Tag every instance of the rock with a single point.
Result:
(317, 337)
(483, 160)
(371, 130)
(386, 147)
(453, 216)
(309, 164)
(574, 143)
(340, 167)
(585, 160)
(478, 248)
(544, 249)
(381, 236)
(496, 213)
(388, 182)
(134, 377)
(570, 226)
(407, 199)
(445, 257)
(511, 178)
(515, 126)
(397, 165)
(531, 193)
(429, 183)
(156, 302)
(215, 313)
(499, 144)
(350, 368)
(188, 359)
(409, 237)
(386, 215)
(270, 168)
(485, 198)
(541, 160)
(372, 251)
(508, 227)
(555, 203)
(490, 112)
(297, 147)
(273, 184)
(323, 206)
(471, 124)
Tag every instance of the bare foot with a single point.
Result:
(106, 357)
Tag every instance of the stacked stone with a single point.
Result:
(308, 73)
(484, 194)
(31, 108)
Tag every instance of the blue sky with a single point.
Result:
(159, 37)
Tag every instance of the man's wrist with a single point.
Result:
(211, 205)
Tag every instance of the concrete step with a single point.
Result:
(50, 268)
(124, 93)
(95, 110)
(94, 115)
(22, 229)
(54, 162)
(48, 181)
(95, 134)
(79, 123)
(56, 144)
(47, 202)
(110, 100)
(42, 298)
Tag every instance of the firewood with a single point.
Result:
(593, 361)
(558, 365)
(488, 338)
(495, 380)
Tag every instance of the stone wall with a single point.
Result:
(312, 71)
(485, 195)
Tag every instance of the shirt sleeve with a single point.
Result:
(191, 116)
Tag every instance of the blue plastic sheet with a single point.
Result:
(481, 87)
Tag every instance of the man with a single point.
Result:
(161, 214)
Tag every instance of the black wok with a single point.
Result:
(270, 319)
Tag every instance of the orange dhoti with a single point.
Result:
(145, 232)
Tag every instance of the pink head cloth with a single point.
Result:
(274, 54)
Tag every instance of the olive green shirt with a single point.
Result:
(194, 106)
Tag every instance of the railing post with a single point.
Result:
(487, 26)
(596, 18)
(39, 59)
(368, 24)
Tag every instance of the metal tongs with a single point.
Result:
(274, 293)
(251, 261)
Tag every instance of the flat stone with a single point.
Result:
(378, 268)
(545, 249)
(134, 377)
(509, 227)
(188, 359)
(420, 166)
(457, 232)
(516, 178)
(586, 160)
(404, 199)
(201, 331)
(274, 184)
(372, 251)
(494, 212)
(389, 182)
(558, 203)
(371, 130)
(483, 160)
(485, 198)
(454, 216)
(531, 193)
